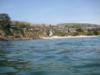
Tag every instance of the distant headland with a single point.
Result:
(17, 30)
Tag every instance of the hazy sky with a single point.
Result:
(52, 11)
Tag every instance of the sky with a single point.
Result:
(52, 11)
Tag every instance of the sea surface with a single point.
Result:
(71, 56)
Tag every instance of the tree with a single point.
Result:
(95, 32)
(79, 30)
(5, 20)
(5, 23)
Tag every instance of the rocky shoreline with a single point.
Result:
(10, 39)
(52, 37)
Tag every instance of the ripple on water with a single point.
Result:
(51, 57)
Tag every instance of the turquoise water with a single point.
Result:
(77, 56)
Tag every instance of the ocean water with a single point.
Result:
(76, 56)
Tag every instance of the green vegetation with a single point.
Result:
(23, 30)
(60, 33)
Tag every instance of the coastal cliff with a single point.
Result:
(17, 30)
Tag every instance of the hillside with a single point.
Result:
(14, 30)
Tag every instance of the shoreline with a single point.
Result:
(52, 37)
(65, 37)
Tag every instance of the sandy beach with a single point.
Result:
(64, 37)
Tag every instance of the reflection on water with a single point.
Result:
(50, 57)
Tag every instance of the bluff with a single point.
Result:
(15, 30)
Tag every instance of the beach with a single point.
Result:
(64, 37)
